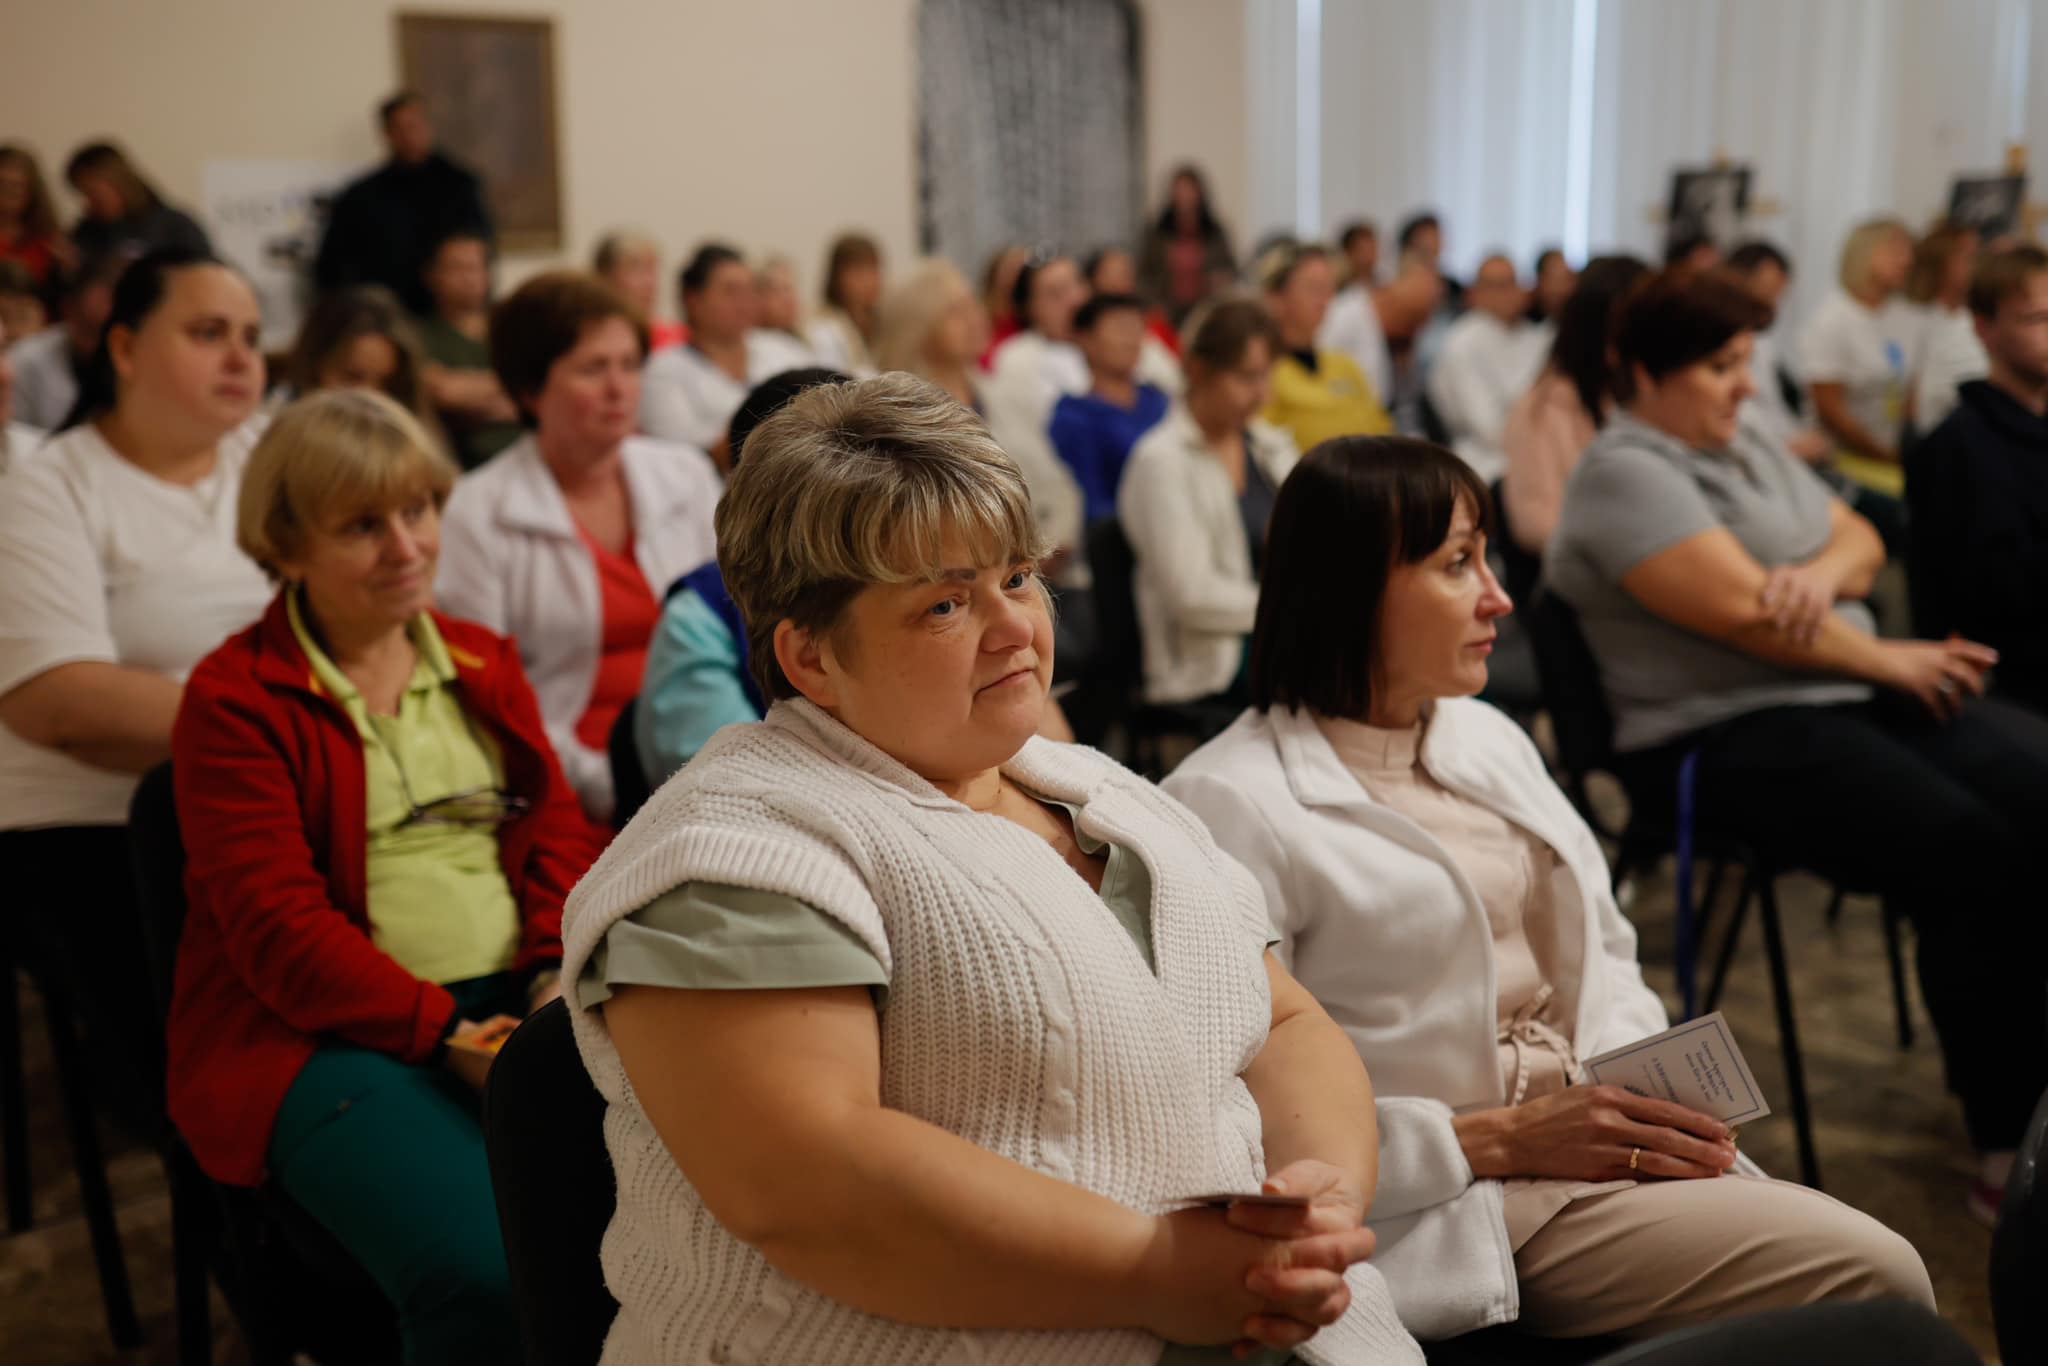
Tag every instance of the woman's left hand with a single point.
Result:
(1335, 1205)
(1799, 598)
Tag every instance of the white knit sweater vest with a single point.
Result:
(1020, 1016)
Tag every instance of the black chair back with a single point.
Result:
(544, 1127)
(159, 855)
(1572, 693)
(2019, 1251)
(1119, 658)
(630, 788)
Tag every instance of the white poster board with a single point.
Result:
(265, 218)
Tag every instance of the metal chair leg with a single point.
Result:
(1902, 1005)
(1730, 940)
(92, 1173)
(194, 1239)
(13, 1103)
(1788, 1032)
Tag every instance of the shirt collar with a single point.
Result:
(433, 669)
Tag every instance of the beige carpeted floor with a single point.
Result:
(1891, 1143)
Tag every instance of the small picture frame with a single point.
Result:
(1996, 206)
(488, 84)
(1710, 202)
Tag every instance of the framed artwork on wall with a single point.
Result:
(1710, 203)
(488, 83)
(1996, 206)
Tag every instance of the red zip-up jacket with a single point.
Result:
(276, 956)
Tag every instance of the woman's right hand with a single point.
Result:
(1588, 1133)
(1941, 674)
(1197, 1279)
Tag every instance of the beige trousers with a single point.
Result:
(1660, 1255)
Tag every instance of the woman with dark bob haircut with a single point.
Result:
(1720, 585)
(1437, 893)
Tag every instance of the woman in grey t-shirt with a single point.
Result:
(1720, 586)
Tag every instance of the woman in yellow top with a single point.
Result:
(1317, 394)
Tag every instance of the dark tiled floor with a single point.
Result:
(1890, 1143)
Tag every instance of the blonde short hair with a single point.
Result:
(327, 457)
(1863, 241)
(910, 311)
(858, 484)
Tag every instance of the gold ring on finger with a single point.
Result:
(1634, 1155)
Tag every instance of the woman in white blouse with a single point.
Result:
(692, 390)
(1194, 502)
(569, 538)
(1439, 896)
(119, 573)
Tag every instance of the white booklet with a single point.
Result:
(1695, 1064)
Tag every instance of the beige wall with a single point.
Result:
(1196, 101)
(774, 123)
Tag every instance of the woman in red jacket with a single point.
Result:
(379, 841)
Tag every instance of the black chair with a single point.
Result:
(74, 1084)
(544, 1127)
(1584, 730)
(1114, 687)
(1507, 1345)
(630, 788)
(2019, 1250)
(290, 1285)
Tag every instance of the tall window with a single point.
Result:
(1029, 125)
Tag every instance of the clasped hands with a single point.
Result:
(1260, 1276)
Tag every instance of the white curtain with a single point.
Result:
(1461, 106)
(1845, 108)
(1028, 125)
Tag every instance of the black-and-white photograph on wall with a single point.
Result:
(1994, 205)
(1712, 203)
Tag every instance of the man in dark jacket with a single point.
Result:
(1977, 487)
(383, 226)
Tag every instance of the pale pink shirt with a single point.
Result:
(1512, 872)
(1547, 431)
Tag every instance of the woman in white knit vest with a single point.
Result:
(918, 1033)
(1439, 895)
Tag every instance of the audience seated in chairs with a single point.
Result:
(124, 215)
(787, 1147)
(378, 840)
(1195, 501)
(1719, 585)
(1488, 360)
(49, 364)
(1413, 837)
(1093, 432)
(360, 338)
(566, 540)
(1186, 259)
(455, 333)
(998, 287)
(692, 391)
(1028, 374)
(118, 573)
(1978, 490)
(1859, 376)
(1316, 393)
(1780, 399)
(29, 235)
(843, 333)
(1554, 421)
(1353, 323)
(630, 263)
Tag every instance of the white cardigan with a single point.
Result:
(1195, 592)
(1018, 1018)
(1377, 921)
(511, 560)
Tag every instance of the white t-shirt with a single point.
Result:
(1952, 356)
(45, 386)
(1845, 343)
(686, 398)
(1484, 367)
(102, 562)
(1353, 326)
(16, 442)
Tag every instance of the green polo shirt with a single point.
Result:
(438, 900)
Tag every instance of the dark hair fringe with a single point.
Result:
(138, 292)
